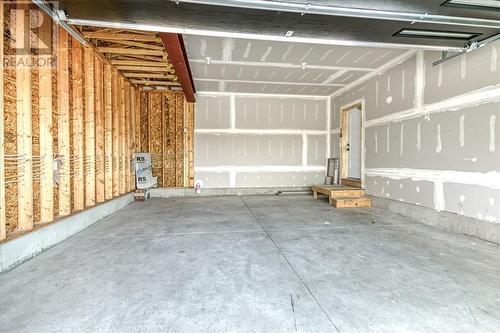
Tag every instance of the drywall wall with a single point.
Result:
(432, 134)
(244, 140)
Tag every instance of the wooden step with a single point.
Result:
(351, 202)
(351, 182)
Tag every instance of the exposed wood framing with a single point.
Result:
(126, 131)
(122, 143)
(140, 63)
(3, 220)
(24, 126)
(123, 50)
(149, 75)
(166, 131)
(45, 100)
(121, 36)
(155, 83)
(132, 131)
(63, 130)
(108, 133)
(144, 69)
(68, 113)
(137, 128)
(116, 134)
(77, 124)
(189, 157)
(99, 131)
(89, 160)
(136, 53)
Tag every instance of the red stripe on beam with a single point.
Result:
(174, 44)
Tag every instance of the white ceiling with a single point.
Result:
(269, 67)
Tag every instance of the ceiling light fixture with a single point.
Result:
(474, 4)
(436, 34)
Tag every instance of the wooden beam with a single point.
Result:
(89, 127)
(108, 133)
(77, 124)
(133, 142)
(24, 121)
(121, 36)
(45, 105)
(161, 59)
(137, 44)
(155, 83)
(144, 69)
(99, 131)
(63, 132)
(141, 63)
(126, 95)
(3, 220)
(149, 75)
(123, 50)
(121, 106)
(174, 44)
(116, 134)
(137, 95)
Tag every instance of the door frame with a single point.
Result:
(344, 135)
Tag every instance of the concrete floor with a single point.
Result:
(255, 264)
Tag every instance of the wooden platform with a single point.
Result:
(351, 182)
(341, 196)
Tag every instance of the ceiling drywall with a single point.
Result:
(254, 66)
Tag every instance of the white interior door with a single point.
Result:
(354, 144)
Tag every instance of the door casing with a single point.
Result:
(344, 138)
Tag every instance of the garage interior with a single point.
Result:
(320, 166)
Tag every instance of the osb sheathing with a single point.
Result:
(169, 142)
(71, 123)
(144, 121)
(155, 134)
(10, 123)
(179, 139)
(35, 111)
(165, 133)
(55, 32)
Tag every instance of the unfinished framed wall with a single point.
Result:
(57, 112)
(165, 126)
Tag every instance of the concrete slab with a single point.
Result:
(255, 264)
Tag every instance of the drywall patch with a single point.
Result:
(473, 201)
(439, 144)
(493, 119)
(462, 131)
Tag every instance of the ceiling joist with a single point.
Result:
(140, 56)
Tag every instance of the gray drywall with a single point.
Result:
(423, 132)
(473, 71)
(443, 143)
(386, 93)
(260, 140)
(213, 112)
(278, 179)
(262, 112)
